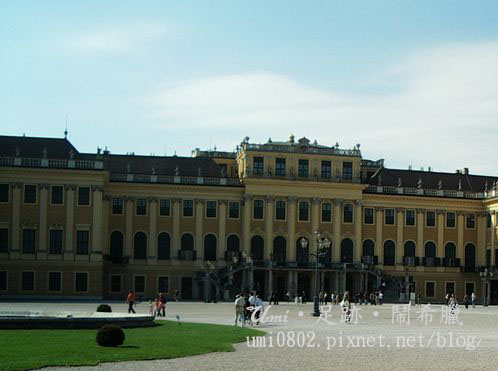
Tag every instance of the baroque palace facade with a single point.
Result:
(80, 225)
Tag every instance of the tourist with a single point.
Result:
(240, 304)
(325, 298)
(381, 297)
(275, 297)
(419, 301)
(272, 298)
(447, 299)
(288, 296)
(162, 304)
(320, 297)
(152, 307)
(466, 301)
(177, 294)
(332, 298)
(346, 306)
(259, 308)
(473, 298)
(303, 300)
(130, 299)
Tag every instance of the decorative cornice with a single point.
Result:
(379, 208)
(222, 202)
(176, 200)
(439, 211)
(400, 209)
(316, 200)
(129, 198)
(43, 186)
(358, 203)
(420, 211)
(71, 187)
(460, 212)
(199, 201)
(338, 201)
(16, 185)
(97, 188)
(482, 214)
(152, 199)
(291, 198)
(270, 198)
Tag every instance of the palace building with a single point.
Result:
(95, 225)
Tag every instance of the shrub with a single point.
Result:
(110, 336)
(104, 308)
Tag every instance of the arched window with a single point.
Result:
(470, 258)
(116, 247)
(450, 251)
(279, 247)
(163, 246)
(210, 243)
(410, 249)
(346, 251)
(430, 249)
(389, 253)
(233, 243)
(368, 248)
(140, 246)
(302, 254)
(187, 242)
(257, 248)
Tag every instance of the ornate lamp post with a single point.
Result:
(322, 244)
(485, 276)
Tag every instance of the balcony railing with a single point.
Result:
(425, 192)
(116, 259)
(451, 262)
(410, 261)
(372, 260)
(187, 254)
(171, 179)
(51, 163)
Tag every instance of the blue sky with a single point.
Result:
(414, 82)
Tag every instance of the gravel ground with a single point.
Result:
(375, 342)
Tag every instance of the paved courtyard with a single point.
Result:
(306, 342)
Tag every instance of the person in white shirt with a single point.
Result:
(252, 299)
(240, 303)
(473, 299)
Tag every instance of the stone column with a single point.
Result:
(315, 221)
(199, 218)
(290, 278)
(269, 207)
(106, 211)
(175, 246)
(43, 230)
(16, 221)
(97, 223)
(291, 227)
(493, 238)
(246, 225)
(481, 239)
(379, 223)
(270, 282)
(152, 251)
(336, 227)
(358, 223)
(69, 248)
(420, 233)
(460, 229)
(129, 213)
(400, 224)
(222, 222)
(440, 233)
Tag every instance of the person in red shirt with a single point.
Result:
(130, 299)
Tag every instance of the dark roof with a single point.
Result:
(32, 147)
(187, 166)
(430, 180)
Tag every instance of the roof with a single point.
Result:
(432, 180)
(32, 147)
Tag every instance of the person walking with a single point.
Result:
(287, 296)
(162, 305)
(176, 295)
(473, 298)
(130, 299)
(466, 301)
(346, 307)
(303, 298)
(240, 303)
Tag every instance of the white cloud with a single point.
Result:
(116, 39)
(444, 113)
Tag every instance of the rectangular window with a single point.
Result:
(410, 218)
(488, 257)
(348, 213)
(368, 215)
(4, 240)
(81, 282)
(57, 195)
(469, 288)
(326, 171)
(450, 220)
(82, 242)
(280, 167)
(430, 219)
(304, 209)
(430, 289)
(139, 283)
(450, 287)
(54, 281)
(3, 280)
(4, 192)
(188, 208)
(233, 210)
(257, 209)
(389, 216)
(347, 170)
(141, 206)
(55, 244)
(29, 194)
(117, 206)
(27, 281)
(326, 212)
(488, 220)
(303, 168)
(164, 207)
(258, 165)
(115, 283)
(83, 196)
(280, 210)
(211, 209)
(162, 284)
(470, 221)
(28, 241)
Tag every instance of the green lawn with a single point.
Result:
(27, 349)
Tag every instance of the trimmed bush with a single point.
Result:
(110, 336)
(104, 308)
